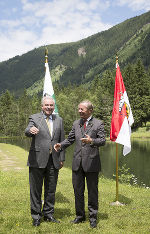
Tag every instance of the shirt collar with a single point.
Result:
(89, 118)
(45, 117)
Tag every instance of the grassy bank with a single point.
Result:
(15, 204)
(142, 132)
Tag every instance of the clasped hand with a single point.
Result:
(87, 139)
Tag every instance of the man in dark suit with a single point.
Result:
(46, 129)
(88, 135)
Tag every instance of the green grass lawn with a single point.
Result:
(15, 204)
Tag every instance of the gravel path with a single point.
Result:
(8, 162)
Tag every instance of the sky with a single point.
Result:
(29, 24)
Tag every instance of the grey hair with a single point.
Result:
(47, 97)
(88, 104)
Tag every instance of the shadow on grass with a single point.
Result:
(102, 216)
(60, 198)
(61, 213)
(124, 200)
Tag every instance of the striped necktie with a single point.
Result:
(49, 127)
(85, 124)
(48, 124)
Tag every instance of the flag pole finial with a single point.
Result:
(116, 58)
(46, 55)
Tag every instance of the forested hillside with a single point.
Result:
(79, 62)
(14, 112)
(80, 70)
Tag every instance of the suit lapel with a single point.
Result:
(42, 123)
(89, 126)
(40, 120)
(81, 127)
(54, 125)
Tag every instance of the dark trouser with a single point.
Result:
(36, 177)
(78, 180)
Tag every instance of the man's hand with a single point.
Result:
(34, 130)
(57, 147)
(87, 139)
(61, 164)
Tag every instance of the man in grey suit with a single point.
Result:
(46, 129)
(88, 135)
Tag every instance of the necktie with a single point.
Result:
(49, 127)
(84, 124)
(48, 124)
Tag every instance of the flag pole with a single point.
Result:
(117, 172)
(46, 55)
(117, 203)
(117, 157)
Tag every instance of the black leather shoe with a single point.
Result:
(78, 220)
(36, 222)
(93, 224)
(51, 219)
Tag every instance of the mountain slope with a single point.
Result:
(81, 61)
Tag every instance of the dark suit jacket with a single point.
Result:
(41, 143)
(86, 153)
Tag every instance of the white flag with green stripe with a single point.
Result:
(48, 87)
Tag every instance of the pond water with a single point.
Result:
(138, 161)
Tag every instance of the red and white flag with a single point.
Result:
(122, 117)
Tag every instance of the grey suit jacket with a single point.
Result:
(86, 154)
(41, 143)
